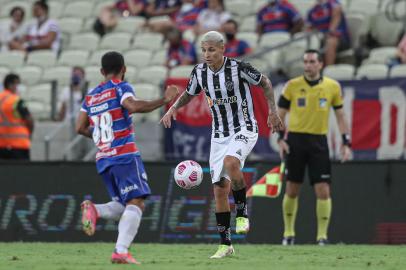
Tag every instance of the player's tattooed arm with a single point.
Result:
(274, 122)
(266, 84)
(184, 99)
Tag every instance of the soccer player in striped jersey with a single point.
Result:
(106, 117)
(226, 83)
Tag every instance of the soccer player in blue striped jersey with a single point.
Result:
(106, 118)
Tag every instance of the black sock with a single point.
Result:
(240, 201)
(223, 227)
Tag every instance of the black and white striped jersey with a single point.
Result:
(228, 95)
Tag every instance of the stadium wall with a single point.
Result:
(41, 202)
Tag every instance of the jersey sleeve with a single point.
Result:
(286, 97)
(249, 73)
(193, 87)
(337, 100)
(124, 91)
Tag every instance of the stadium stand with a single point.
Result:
(145, 52)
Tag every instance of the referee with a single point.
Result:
(308, 100)
(226, 85)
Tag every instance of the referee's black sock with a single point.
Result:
(240, 200)
(223, 227)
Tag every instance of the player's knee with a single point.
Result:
(322, 191)
(231, 164)
(138, 202)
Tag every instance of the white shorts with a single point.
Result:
(238, 145)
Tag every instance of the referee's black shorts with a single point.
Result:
(308, 150)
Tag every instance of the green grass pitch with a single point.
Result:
(92, 256)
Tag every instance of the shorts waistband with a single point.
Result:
(236, 130)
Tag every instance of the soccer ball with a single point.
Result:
(188, 174)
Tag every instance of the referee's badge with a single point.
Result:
(322, 102)
(229, 86)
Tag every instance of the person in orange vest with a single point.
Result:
(16, 122)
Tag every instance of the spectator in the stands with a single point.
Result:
(163, 7)
(212, 18)
(327, 16)
(13, 31)
(72, 96)
(234, 47)
(16, 122)
(43, 33)
(185, 19)
(180, 51)
(109, 15)
(279, 16)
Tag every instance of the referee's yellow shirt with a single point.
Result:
(309, 106)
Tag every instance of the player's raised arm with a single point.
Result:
(274, 122)
(145, 106)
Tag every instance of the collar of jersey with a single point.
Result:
(221, 69)
(113, 80)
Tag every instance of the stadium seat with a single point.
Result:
(39, 110)
(3, 72)
(131, 74)
(42, 58)
(295, 69)
(311, 42)
(148, 92)
(386, 32)
(29, 75)
(148, 41)
(84, 41)
(276, 59)
(7, 7)
(12, 59)
(88, 24)
(381, 55)
(259, 63)
(358, 25)
(40, 92)
(189, 35)
(159, 58)
(56, 9)
(99, 5)
(153, 74)
(129, 24)
(73, 58)
(368, 7)
(372, 71)
(303, 6)
(248, 24)
(340, 71)
(273, 39)
(181, 71)
(95, 58)
(398, 71)
(61, 74)
(115, 41)
(78, 9)
(92, 73)
(240, 8)
(138, 58)
(250, 37)
(70, 25)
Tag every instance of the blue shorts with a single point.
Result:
(125, 182)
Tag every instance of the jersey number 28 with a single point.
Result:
(103, 128)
